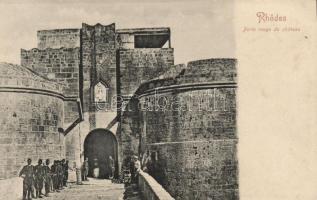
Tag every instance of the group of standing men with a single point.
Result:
(109, 167)
(53, 178)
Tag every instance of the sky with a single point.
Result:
(199, 28)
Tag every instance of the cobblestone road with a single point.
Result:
(90, 190)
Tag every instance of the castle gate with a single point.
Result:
(98, 146)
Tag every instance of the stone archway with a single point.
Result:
(100, 144)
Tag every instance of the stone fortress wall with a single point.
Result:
(60, 65)
(32, 110)
(67, 38)
(140, 65)
(80, 58)
(184, 114)
(189, 122)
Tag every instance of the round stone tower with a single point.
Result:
(32, 110)
(185, 123)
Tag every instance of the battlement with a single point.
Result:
(130, 38)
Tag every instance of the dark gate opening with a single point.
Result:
(98, 146)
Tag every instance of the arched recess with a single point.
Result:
(101, 92)
(100, 144)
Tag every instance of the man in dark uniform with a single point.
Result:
(151, 165)
(65, 173)
(54, 176)
(111, 167)
(135, 166)
(27, 173)
(47, 177)
(39, 178)
(85, 169)
(62, 173)
(59, 171)
(132, 169)
(57, 174)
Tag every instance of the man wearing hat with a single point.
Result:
(27, 173)
(39, 178)
(135, 168)
(47, 177)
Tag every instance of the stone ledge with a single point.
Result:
(151, 189)
(207, 71)
(49, 49)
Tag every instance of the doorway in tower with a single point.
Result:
(99, 145)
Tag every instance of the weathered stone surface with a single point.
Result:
(68, 38)
(29, 120)
(140, 65)
(98, 60)
(29, 130)
(192, 130)
(18, 76)
(60, 65)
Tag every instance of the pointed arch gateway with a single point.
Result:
(98, 146)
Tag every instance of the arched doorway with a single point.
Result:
(98, 146)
